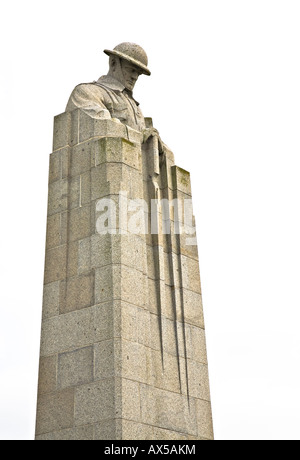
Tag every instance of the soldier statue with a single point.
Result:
(111, 95)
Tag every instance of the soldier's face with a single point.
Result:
(130, 74)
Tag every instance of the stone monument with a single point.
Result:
(122, 352)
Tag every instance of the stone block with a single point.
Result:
(181, 180)
(177, 338)
(58, 196)
(101, 252)
(118, 150)
(106, 356)
(62, 130)
(122, 177)
(54, 166)
(198, 344)
(185, 343)
(172, 269)
(75, 367)
(64, 216)
(119, 282)
(173, 303)
(131, 278)
(85, 188)
(72, 259)
(99, 185)
(129, 322)
(132, 250)
(107, 430)
(80, 223)
(192, 308)
(74, 192)
(204, 419)
(116, 249)
(137, 431)
(165, 371)
(135, 361)
(105, 289)
(53, 235)
(109, 128)
(190, 274)
(77, 293)
(51, 299)
(74, 128)
(106, 322)
(95, 402)
(156, 331)
(198, 380)
(59, 164)
(68, 332)
(84, 256)
(143, 322)
(80, 433)
(81, 159)
(55, 411)
(129, 405)
(188, 243)
(90, 128)
(170, 336)
(167, 176)
(153, 296)
(156, 270)
(168, 410)
(55, 264)
(47, 374)
(180, 240)
(168, 435)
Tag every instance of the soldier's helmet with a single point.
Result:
(132, 53)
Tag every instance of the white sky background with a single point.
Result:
(225, 96)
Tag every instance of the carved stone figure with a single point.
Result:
(111, 95)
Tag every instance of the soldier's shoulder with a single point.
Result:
(85, 86)
(87, 90)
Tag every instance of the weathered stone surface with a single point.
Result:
(106, 355)
(108, 430)
(59, 164)
(101, 250)
(58, 196)
(204, 419)
(161, 408)
(181, 180)
(129, 405)
(69, 331)
(137, 431)
(61, 130)
(198, 380)
(80, 223)
(118, 150)
(75, 367)
(165, 373)
(55, 264)
(81, 433)
(53, 238)
(116, 282)
(77, 293)
(47, 374)
(55, 411)
(51, 299)
(94, 402)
